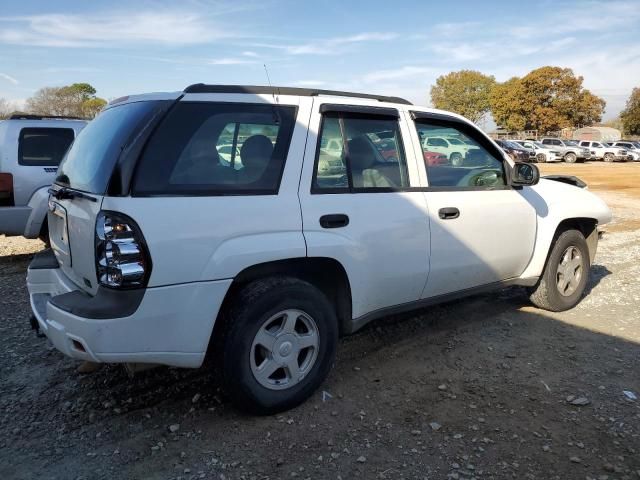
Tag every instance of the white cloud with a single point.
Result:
(231, 61)
(330, 46)
(9, 78)
(100, 30)
(250, 54)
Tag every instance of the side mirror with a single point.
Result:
(524, 174)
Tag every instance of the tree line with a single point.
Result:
(546, 99)
(75, 100)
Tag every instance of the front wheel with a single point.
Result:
(456, 159)
(608, 157)
(570, 157)
(280, 345)
(565, 275)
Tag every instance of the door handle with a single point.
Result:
(448, 213)
(336, 220)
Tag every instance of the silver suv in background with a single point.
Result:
(570, 150)
(31, 147)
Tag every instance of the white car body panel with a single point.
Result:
(550, 200)
(379, 276)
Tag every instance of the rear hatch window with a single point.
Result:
(90, 161)
(43, 147)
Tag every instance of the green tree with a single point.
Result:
(76, 100)
(465, 92)
(546, 99)
(630, 116)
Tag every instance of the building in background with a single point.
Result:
(602, 134)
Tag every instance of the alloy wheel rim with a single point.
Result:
(285, 349)
(569, 272)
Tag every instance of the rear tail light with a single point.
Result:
(122, 257)
(6, 190)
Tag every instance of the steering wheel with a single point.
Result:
(481, 178)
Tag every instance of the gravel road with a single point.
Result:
(487, 387)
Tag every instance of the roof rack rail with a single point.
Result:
(305, 92)
(29, 116)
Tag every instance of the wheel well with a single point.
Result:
(326, 274)
(582, 224)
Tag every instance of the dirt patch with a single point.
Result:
(486, 387)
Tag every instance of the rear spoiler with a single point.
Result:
(568, 179)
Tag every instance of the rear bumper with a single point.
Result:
(13, 220)
(171, 325)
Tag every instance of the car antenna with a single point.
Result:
(275, 98)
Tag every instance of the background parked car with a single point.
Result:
(571, 151)
(31, 147)
(455, 149)
(632, 149)
(599, 151)
(433, 159)
(517, 152)
(542, 153)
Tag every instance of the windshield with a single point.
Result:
(540, 145)
(89, 163)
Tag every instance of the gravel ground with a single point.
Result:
(487, 387)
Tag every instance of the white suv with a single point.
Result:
(600, 151)
(455, 149)
(163, 251)
(31, 147)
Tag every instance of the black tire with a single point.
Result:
(608, 157)
(546, 294)
(253, 306)
(540, 158)
(570, 157)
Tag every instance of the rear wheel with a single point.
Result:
(608, 157)
(570, 157)
(280, 344)
(565, 275)
(540, 158)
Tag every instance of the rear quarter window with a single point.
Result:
(43, 147)
(206, 148)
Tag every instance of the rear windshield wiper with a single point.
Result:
(64, 193)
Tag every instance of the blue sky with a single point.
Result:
(391, 47)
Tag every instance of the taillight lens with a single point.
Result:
(6, 190)
(122, 257)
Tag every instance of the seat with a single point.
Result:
(256, 153)
(363, 160)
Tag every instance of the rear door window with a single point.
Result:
(43, 147)
(359, 152)
(217, 148)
